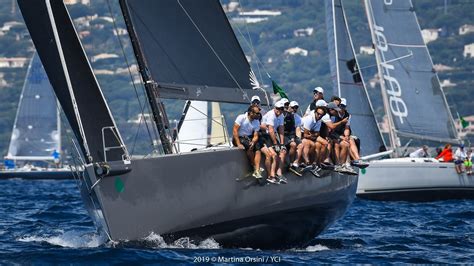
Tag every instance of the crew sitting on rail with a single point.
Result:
(245, 136)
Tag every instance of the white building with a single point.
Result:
(303, 32)
(73, 2)
(465, 29)
(255, 16)
(468, 50)
(367, 50)
(430, 35)
(296, 51)
(103, 56)
(441, 68)
(446, 83)
(120, 32)
(13, 62)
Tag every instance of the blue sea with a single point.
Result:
(45, 222)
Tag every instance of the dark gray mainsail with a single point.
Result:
(347, 79)
(413, 98)
(191, 51)
(77, 90)
(36, 131)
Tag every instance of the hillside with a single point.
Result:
(265, 42)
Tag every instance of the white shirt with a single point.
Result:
(270, 119)
(247, 127)
(418, 154)
(460, 154)
(310, 123)
(325, 119)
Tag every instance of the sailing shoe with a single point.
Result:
(327, 166)
(257, 174)
(315, 171)
(359, 163)
(273, 180)
(339, 168)
(347, 169)
(295, 170)
(281, 179)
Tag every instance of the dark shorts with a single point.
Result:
(245, 141)
(291, 138)
(458, 162)
(334, 136)
(266, 140)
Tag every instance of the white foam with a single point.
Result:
(315, 248)
(184, 242)
(68, 239)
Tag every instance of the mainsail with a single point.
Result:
(190, 50)
(36, 132)
(413, 98)
(347, 79)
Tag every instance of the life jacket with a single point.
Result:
(289, 124)
(340, 128)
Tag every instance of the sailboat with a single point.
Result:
(417, 111)
(185, 50)
(36, 134)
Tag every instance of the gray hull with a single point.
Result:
(207, 194)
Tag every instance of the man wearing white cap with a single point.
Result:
(354, 141)
(318, 94)
(272, 127)
(292, 132)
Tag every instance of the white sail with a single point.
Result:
(36, 132)
(218, 130)
(193, 132)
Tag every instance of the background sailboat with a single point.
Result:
(416, 108)
(36, 136)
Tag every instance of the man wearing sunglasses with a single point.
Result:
(272, 136)
(245, 136)
(318, 94)
(292, 131)
(311, 125)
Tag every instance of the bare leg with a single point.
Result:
(258, 158)
(344, 150)
(268, 159)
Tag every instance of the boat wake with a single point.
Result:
(71, 239)
(156, 241)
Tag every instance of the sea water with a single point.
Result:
(45, 222)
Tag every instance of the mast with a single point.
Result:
(394, 143)
(157, 107)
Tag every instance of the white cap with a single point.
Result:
(255, 97)
(284, 100)
(344, 101)
(279, 104)
(294, 103)
(318, 89)
(321, 103)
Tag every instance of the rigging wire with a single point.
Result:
(142, 106)
(251, 45)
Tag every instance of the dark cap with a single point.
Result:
(333, 105)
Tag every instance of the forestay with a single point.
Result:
(36, 132)
(347, 79)
(190, 50)
(415, 100)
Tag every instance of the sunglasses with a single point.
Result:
(294, 107)
(280, 108)
(256, 102)
(319, 114)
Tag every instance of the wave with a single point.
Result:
(68, 239)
